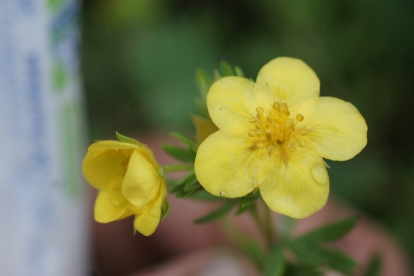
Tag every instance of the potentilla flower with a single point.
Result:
(273, 136)
(130, 182)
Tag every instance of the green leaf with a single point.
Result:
(374, 266)
(203, 195)
(179, 153)
(126, 139)
(184, 139)
(191, 185)
(203, 82)
(276, 263)
(216, 214)
(165, 208)
(226, 69)
(239, 71)
(329, 232)
(339, 261)
(306, 255)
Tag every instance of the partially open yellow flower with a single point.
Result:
(273, 136)
(129, 181)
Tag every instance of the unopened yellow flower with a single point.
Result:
(129, 181)
(273, 136)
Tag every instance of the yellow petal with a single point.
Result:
(231, 101)
(297, 188)
(226, 165)
(105, 163)
(335, 128)
(141, 181)
(288, 80)
(147, 222)
(110, 206)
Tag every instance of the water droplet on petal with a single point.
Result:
(115, 202)
(320, 174)
(223, 194)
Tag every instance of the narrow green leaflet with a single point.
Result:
(307, 255)
(339, 261)
(126, 139)
(178, 153)
(216, 214)
(374, 267)
(203, 195)
(165, 209)
(226, 69)
(239, 71)
(276, 263)
(203, 82)
(184, 139)
(329, 232)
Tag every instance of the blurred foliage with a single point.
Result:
(139, 59)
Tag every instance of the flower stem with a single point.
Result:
(269, 227)
(265, 224)
(177, 168)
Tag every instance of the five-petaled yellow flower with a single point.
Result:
(129, 181)
(273, 136)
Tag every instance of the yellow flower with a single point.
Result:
(129, 181)
(273, 136)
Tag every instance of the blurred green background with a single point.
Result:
(140, 57)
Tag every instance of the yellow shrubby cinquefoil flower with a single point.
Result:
(130, 182)
(273, 136)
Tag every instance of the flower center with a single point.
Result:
(278, 130)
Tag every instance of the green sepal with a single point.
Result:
(239, 71)
(330, 232)
(275, 263)
(216, 214)
(191, 143)
(128, 140)
(374, 266)
(165, 208)
(247, 202)
(226, 69)
(178, 153)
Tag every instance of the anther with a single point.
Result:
(260, 145)
(275, 106)
(251, 133)
(259, 110)
(284, 107)
(252, 120)
(299, 117)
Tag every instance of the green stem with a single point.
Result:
(269, 229)
(177, 168)
(264, 222)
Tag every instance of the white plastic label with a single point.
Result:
(43, 208)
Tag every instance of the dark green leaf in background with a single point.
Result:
(374, 266)
(216, 214)
(329, 232)
(178, 153)
(275, 263)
